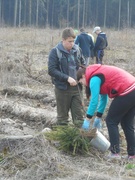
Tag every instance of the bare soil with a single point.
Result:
(27, 106)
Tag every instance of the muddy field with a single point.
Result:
(27, 106)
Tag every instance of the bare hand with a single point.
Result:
(72, 81)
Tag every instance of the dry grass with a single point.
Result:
(120, 51)
(34, 159)
(24, 53)
(37, 159)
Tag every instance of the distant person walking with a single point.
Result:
(100, 44)
(85, 42)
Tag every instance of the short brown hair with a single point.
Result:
(68, 32)
(82, 29)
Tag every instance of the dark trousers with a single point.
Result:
(122, 110)
(69, 100)
(99, 56)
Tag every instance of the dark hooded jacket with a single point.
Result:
(101, 42)
(58, 69)
(85, 43)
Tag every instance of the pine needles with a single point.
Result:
(70, 139)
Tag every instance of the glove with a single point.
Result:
(97, 123)
(86, 124)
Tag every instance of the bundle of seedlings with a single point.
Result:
(70, 139)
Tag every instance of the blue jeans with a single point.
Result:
(99, 56)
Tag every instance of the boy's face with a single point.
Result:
(68, 43)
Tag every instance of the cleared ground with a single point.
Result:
(27, 106)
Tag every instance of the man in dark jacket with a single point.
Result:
(85, 42)
(63, 71)
(100, 44)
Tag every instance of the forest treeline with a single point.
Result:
(62, 13)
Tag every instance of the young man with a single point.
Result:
(63, 71)
(104, 81)
(100, 44)
(85, 42)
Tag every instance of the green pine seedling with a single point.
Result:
(70, 140)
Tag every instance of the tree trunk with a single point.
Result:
(20, 7)
(119, 15)
(0, 13)
(83, 23)
(37, 13)
(128, 25)
(47, 12)
(60, 19)
(67, 13)
(52, 13)
(130, 15)
(25, 13)
(78, 22)
(15, 12)
(30, 12)
(105, 13)
(97, 8)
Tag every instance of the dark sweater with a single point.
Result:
(85, 43)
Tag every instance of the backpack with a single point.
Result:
(59, 55)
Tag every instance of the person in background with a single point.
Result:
(76, 32)
(92, 50)
(104, 81)
(100, 44)
(86, 44)
(63, 71)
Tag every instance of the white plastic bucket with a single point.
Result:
(100, 142)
